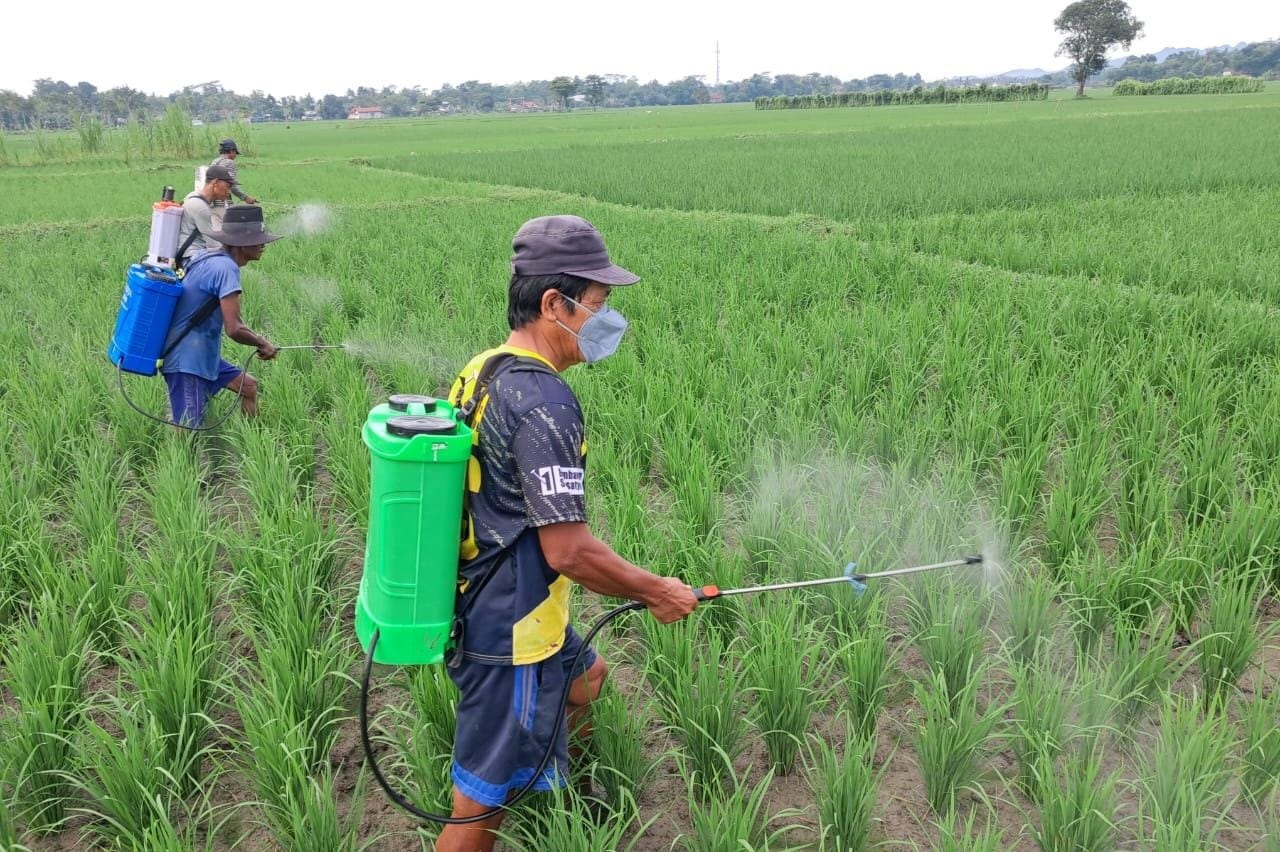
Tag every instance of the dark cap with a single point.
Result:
(242, 225)
(550, 245)
(228, 145)
(218, 173)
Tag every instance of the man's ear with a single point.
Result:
(548, 304)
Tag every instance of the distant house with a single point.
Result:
(518, 105)
(365, 112)
(311, 115)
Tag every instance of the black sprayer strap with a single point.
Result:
(206, 311)
(177, 258)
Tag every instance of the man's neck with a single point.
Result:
(531, 339)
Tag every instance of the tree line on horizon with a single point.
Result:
(58, 105)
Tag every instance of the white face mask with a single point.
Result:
(600, 334)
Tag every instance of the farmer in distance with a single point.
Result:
(528, 538)
(193, 367)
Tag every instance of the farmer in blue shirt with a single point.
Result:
(194, 369)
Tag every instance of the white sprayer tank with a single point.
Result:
(166, 225)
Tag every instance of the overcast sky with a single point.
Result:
(295, 48)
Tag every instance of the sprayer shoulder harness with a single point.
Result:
(471, 396)
(179, 260)
(206, 311)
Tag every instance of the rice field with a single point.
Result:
(1044, 331)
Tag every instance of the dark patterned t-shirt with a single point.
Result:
(532, 458)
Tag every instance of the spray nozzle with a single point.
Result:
(974, 560)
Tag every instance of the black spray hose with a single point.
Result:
(239, 393)
(546, 755)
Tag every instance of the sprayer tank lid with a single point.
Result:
(408, 425)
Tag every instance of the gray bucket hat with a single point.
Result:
(549, 245)
(242, 225)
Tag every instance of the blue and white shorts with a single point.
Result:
(505, 716)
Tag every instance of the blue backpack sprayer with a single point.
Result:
(152, 287)
(420, 448)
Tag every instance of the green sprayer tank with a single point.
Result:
(418, 455)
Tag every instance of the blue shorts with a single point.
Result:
(504, 723)
(189, 393)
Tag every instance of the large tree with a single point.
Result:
(1093, 27)
(593, 86)
(564, 88)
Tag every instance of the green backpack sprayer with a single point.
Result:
(420, 448)
(152, 287)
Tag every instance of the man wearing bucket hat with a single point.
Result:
(193, 367)
(227, 153)
(528, 538)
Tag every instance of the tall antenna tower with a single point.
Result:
(717, 64)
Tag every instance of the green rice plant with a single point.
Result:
(279, 752)
(177, 674)
(782, 664)
(1078, 804)
(669, 652)
(623, 766)
(1021, 478)
(1208, 471)
(420, 732)
(955, 835)
(1135, 588)
(1185, 580)
(1186, 775)
(46, 668)
(867, 666)
(1230, 634)
(1074, 506)
(1088, 606)
(1038, 731)
(178, 510)
(1260, 769)
(99, 582)
(950, 734)
(735, 818)
(127, 792)
(272, 475)
(949, 625)
(563, 820)
(8, 828)
(1141, 671)
(301, 664)
(707, 721)
(845, 788)
(433, 700)
(95, 500)
(1029, 601)
(307, 815)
